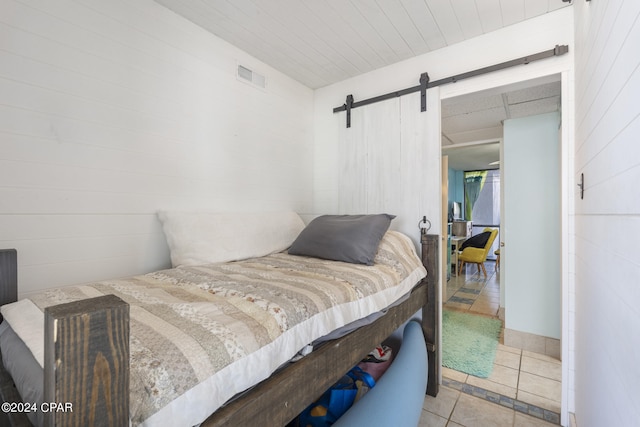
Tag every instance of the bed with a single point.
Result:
(212, 342)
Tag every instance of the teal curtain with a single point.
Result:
(473, 183)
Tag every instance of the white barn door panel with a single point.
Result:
(366, 175)
(419, 187)
(390, 162)
(382, 121)
(352, 155)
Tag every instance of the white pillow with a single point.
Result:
(201, 237)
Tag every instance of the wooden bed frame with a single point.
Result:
(87, 356)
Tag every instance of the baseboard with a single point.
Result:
(534, 343)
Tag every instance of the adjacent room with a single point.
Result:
(477, 138)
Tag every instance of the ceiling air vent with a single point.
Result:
(249, 76)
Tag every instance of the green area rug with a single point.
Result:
(469, 342)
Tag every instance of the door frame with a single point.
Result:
(523, 75)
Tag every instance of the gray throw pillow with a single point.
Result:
(349, 238)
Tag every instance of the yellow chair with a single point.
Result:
(477, 255)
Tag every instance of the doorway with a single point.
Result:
(472, 121)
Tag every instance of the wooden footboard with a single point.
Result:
(86, 363)
(87, 360)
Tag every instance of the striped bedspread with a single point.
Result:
(199, 335)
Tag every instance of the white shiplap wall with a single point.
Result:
(608, 218)
(113, 110)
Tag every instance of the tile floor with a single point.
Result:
(524, 387)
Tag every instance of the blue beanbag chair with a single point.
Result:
(397, 398)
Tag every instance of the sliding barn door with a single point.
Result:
(390, 162)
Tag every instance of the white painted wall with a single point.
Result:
(607, 265)
(112, 110)
(531, 267)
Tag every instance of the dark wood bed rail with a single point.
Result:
(431, 311)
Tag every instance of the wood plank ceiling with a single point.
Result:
(320, 42)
